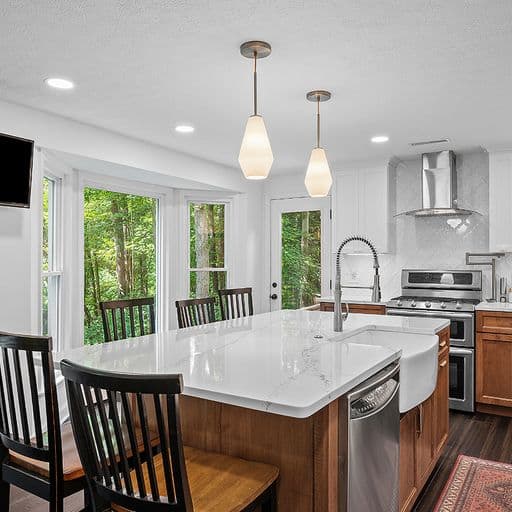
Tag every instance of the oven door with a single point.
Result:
(461, 324)
(462, 382)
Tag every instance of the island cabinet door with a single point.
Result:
(441, 405)
(494, 369)
(407, 460)
(424, 438)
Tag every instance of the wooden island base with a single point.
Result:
(305, 450)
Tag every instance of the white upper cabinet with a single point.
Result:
(500, 201)
(362, 205)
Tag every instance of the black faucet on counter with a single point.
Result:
(376, 294)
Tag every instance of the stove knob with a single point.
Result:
(413, 304)
(399, 303)
(443, 305)
(458, 305)
(428, 304)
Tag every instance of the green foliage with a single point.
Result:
(300, 258)
(119, 252)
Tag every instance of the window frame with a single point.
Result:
(55, 271)
(226, 268)
(162, 246)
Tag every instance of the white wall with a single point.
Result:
(61, 134)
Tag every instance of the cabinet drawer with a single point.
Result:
(494, 322)
(444, 339)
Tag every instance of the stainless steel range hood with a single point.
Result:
(439, 186)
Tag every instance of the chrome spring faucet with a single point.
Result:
(376, 294)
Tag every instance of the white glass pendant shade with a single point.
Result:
(255, 156)
(318, 179)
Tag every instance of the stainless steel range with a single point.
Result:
(450, 294)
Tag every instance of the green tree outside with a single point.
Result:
(119, 252)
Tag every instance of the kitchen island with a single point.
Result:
(266, 387)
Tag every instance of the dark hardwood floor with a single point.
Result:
(479, 435)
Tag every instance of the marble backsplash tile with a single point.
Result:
(433, 242)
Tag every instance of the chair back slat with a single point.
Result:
(35, 400)
(127, 317)
(133, 445)
(21, 396)
(147, 447)
(120, 442)
(10, 396)
(192, 312)
(21, 412)
(148, 477)
(236, 303)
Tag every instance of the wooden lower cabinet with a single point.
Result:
(494, 362)
(408, 490)
(423, 434)
(368, 309)
(494, 369)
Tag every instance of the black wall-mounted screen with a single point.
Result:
(15, 171)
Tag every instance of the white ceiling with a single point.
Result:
(411, 69)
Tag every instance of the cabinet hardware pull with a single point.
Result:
(443, 343)
(443, 364)
(419, 426)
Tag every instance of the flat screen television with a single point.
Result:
(15, 171)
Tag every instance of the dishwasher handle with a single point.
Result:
(375, 393)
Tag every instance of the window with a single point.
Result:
(51, 272)
(207, 247)
(120, 260)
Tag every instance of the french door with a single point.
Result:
(299, 251)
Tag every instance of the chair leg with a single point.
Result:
(93, 502)
(57, 505)
(5, 490)
(270, 504)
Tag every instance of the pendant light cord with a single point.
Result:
(255, 86)
(318, 121)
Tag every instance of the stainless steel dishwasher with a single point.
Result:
(370, 444)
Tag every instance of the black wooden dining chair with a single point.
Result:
(178, 478)
(193, 312)
(127, 318)
(235, 303)
(36, 453)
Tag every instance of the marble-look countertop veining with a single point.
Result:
(495, 306)
(285, 362)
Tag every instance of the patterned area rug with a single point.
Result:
(477, 485)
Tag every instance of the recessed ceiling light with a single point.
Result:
(59, 83)
(184, 128)
(380, 138)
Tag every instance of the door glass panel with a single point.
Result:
(300, 258)
(119, 252)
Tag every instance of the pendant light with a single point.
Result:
(255, 156)
(318, 178)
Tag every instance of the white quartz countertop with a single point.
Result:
(495, 306)
(285, 362)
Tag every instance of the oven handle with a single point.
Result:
(456, 351)
(440, 314)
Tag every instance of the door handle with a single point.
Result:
(273, 296)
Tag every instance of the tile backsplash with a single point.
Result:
(432, 242)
